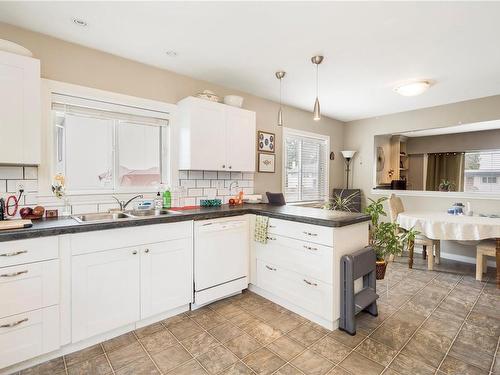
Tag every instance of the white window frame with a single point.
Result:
(47, 168)
(302, 133)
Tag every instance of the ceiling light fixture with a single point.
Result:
(412, 88)
(171, 53)
(280, 75)
(316, 60)
(79, 22)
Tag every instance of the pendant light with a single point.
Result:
(316, 60)
(280, 75)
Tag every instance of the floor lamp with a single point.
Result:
(348, 155)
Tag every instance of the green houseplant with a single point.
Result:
(385, 237)
(446, 185)
(339, 202)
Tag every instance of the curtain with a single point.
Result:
(442, 167)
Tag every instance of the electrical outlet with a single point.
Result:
(19, 186)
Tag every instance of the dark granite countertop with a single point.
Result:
(52, 227)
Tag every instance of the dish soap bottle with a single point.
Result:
(158, 201)
(167, 198)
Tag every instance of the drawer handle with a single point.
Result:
(10, 325)
(310, 283)
(271, 238)
(270, 268)
(14, 253)
(310, 234)
(13, 274)
(310, 248)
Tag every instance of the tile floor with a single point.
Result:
(441, 322)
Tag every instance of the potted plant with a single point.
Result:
(339, 202)
(446, 185)
(385, 238)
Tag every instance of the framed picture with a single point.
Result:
(266, 141)
(266, 163)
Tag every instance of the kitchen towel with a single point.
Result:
(261, 224)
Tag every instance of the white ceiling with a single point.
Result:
(368, 47)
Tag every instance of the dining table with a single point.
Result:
(447, 227)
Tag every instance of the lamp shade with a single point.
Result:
(348, 154)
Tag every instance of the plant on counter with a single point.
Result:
(339, 202)
(386, 238)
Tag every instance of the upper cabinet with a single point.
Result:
(20, 117)
(215, 136)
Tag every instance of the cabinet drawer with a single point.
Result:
(303, 291)
(306, 258)
(300, 231)
(27, 251)
(28, 335)
(29, 287)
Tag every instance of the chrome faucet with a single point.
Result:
(123, 204)
(231, 185)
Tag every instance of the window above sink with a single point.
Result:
(105, 148)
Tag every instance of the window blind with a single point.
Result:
(104, 110)
(305, 167)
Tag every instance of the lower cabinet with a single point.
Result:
(28, 335)
(113, 288)
(166, 276)
(105, 291)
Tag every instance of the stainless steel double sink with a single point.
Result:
(122, 215)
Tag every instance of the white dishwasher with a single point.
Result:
(221, 256)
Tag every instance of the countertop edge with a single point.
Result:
(75, 227)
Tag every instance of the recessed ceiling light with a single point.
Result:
(79, 22)
(413, 88)
(171, 53)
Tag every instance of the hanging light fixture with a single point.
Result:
(280, 75)
(316, 60)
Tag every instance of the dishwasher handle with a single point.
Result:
(225, 225)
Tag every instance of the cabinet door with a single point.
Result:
(20, 120)
(166, 276)
(240, 133)
(105, 291)
(208, 136)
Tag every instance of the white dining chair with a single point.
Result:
(395, 208)
(486, 248)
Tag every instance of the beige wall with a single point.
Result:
(72, 63)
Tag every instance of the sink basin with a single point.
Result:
(114, 216)
(150, 213)
(104, 216)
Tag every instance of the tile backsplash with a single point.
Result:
(197, 185)
(13, 177)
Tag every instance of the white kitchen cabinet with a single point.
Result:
(215, 136)
(240, 139)
(20, 116)
(166, 276)
(105, 291)
(114, 285)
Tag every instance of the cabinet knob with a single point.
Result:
(230, 167)
(134, 252)
(146, 251)
(223, 165)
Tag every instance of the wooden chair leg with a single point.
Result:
(424, 252)
(430, 259)
(411, 247)
(479, 266)
(438, 252)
